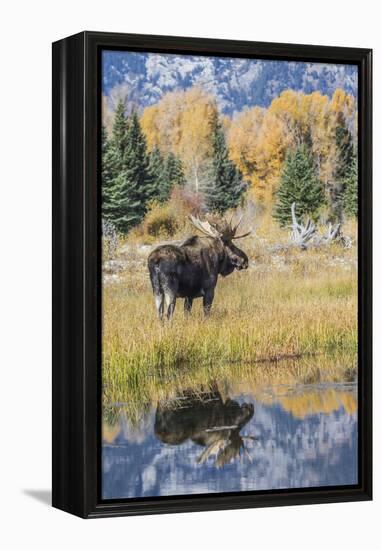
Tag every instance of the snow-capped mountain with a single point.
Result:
(236, 83)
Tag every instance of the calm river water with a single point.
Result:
(279, 437)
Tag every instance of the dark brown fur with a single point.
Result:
(206, 420)
(191, 271)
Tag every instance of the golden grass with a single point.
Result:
(294, 304)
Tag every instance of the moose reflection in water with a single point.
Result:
(207, 420)
(305, 436)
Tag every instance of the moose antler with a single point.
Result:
(204, 227)
(243, 235)
(225, 229)
(234, 230)
(226, 447)
(229, 231)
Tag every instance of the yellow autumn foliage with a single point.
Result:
(180, 123)
(313, 402)
(258, 138)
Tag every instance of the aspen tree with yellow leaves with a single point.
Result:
(179, 123)
(259, 139)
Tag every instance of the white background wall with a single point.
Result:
(27, 29)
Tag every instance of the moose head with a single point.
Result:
(225, 233)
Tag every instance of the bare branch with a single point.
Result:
(306, 235)
(301, 234)
(333, 232)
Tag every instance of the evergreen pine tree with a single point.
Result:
(345, 154)
(173, 171)
(113, 151)
(351, 189)
(298, 183)
(224, 186)
(119, 134)
(158, 185)
(344, 148)
(131, 188)
(164, 173)
(172, 175)
(108, 170)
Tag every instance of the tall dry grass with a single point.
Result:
(289, 305)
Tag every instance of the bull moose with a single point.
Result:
(207, 420)
(191, 269)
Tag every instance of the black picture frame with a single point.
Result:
(77, 274)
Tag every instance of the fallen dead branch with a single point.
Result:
(306, 235)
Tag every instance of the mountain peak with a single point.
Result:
(236, 83)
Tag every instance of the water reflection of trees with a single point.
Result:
(321, 400)
(209, 421)
(304, 436)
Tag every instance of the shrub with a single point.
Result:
(160, 220)
(110, 239)
(185, 201)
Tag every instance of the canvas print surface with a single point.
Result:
(229, 259)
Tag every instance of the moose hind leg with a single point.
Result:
(170, 300)
(159, 302)
(170, 293)
(157, 290)
(188, 302)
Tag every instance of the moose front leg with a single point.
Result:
(208, 301)
(188, 302)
